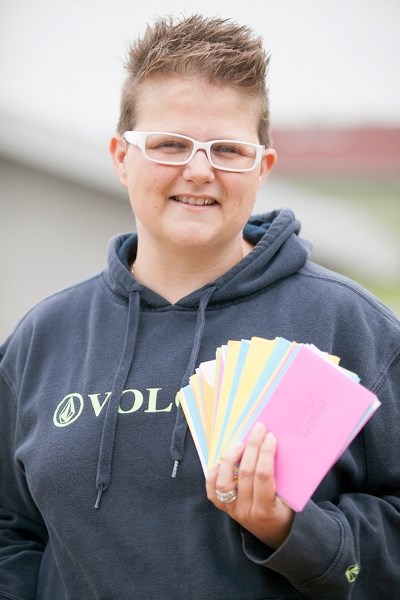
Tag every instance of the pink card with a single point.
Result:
(315, 411)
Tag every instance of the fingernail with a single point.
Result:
(270, 438)
(237, 446)
(258, 428)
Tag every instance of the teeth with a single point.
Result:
(192, 200)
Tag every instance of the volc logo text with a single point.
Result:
(72, 405)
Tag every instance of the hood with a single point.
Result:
(277, 253)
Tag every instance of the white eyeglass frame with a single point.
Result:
(138, 138)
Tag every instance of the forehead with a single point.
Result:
(182, 104)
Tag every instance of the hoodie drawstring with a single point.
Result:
(103, 474)
(179, 434)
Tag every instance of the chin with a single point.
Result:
(193, 241)
(193, 237)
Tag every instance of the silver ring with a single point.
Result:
(227, 497)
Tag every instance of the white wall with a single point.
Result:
(52, 234)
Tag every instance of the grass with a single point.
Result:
(381, 199)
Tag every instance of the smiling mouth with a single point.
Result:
(194, 201)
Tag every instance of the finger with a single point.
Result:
(211, 481)
(227, 472)
(249, 460)
(264, 488)
(224, 479)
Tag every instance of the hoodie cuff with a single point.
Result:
(311, 549)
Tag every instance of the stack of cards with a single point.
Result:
(313, 406)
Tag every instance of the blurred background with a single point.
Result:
(335, 106)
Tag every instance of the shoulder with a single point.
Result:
(54, 314)
(342, 293)
(364, 332)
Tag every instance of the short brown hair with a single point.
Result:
(219, 50)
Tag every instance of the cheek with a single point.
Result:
(147, 190)
(242, 184)
(151, 179)
(242, 192)
(142, 183)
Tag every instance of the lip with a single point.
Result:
(194, 200)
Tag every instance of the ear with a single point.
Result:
(267, 164)
(118, 149)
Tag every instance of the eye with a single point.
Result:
(225, 149)
(171, 144)
(167, 144)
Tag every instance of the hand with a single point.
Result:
(257, 507)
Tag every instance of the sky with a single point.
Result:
(332, 61)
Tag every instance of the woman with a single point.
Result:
(92, 429)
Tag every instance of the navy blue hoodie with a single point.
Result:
(90, 432)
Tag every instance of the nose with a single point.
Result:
(199, 169)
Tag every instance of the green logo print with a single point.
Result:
(68, 410)
(352, 572)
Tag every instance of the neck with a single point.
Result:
(174, 275)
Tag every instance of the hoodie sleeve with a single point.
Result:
(22, 533)
(352, 547)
